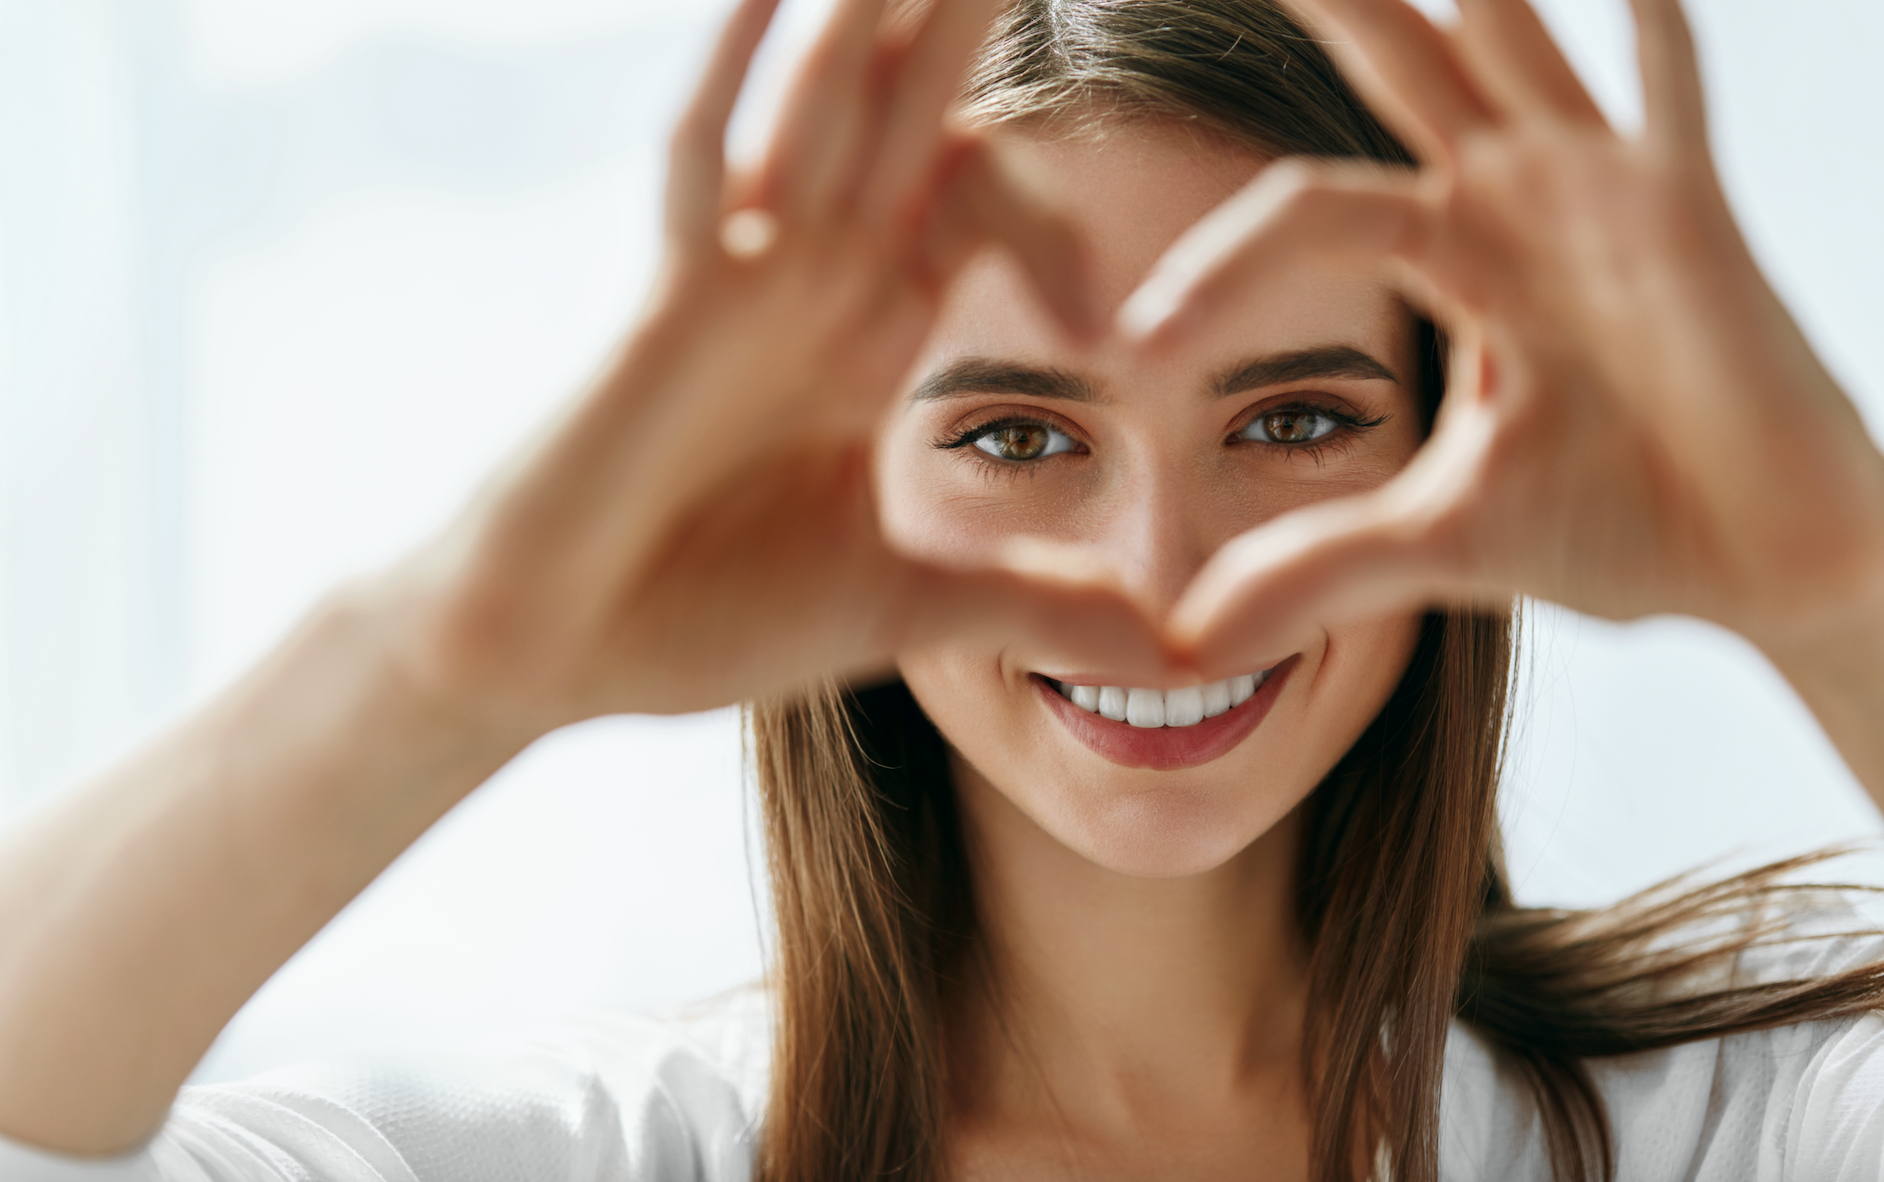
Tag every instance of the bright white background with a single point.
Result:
(279, 279)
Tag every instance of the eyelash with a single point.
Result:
(964, 440)
(1347, 428)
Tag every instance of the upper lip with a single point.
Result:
(1099, 679)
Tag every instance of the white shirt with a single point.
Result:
(622, 1099)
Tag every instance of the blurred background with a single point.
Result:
(280, 279)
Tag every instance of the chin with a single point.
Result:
(1164, 832)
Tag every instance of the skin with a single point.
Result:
(1143, 917)
(1156, 484)
(1611, 440)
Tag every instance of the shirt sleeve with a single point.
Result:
(630, 1100)
(1835, 1129)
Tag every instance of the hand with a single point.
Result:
(699, 529)
(1632, 422)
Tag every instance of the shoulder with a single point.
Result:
(1821, 934)
(1800, 1101)
(1803, 1102)
(597, 1095)
(646, 1098)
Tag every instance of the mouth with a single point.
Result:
(1165, 729)
(1149, 709)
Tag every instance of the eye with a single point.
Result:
(1299, 425)
(1021, 441)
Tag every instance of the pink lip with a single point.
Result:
(1167, 748)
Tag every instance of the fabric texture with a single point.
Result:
(622, 1099)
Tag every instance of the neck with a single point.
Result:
(1117, 1000)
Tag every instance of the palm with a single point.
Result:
(1632, 423)
(699, 530)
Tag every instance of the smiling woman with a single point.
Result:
(1108, 485)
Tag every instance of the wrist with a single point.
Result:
(1835, 635)
(372, 645)
(1833, 656)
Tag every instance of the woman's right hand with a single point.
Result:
(696, 530)
(699, 529)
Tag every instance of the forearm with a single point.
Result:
(1840, 676)
(138, 915)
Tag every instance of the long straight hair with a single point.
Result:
(1401, 895)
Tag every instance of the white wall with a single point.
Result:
(280, 278)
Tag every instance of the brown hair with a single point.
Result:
(1401, 898)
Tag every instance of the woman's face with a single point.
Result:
(1011, 430)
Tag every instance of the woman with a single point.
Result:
(1159, 838)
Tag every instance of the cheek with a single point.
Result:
(963, 690)
(940, 506)
(1361, 666)
(915, 500)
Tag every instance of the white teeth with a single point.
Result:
(1155, 708)
(1216, 698)
(1184, 707)
(1144, 707)
(1241, 688)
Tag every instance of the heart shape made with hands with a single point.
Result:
(1616, 362)
(1606, 440)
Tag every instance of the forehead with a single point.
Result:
(1131, 189)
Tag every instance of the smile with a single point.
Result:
(1150, 708)
(1164, 729)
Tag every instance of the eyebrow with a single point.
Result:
(1327, 361)
(980, 375)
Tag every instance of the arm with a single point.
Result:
(142, 912)
(697, 530)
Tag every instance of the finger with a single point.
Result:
(981, 202)
(697, 153)
(1407, 69)
(1295, 210)
(926, 81)
(1068, 612)
(1336, 561)
(827, 115)
(1672, 93)
(1519, 64)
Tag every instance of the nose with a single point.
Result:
(1159, 530)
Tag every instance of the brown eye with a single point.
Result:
(1290, 426)
(1022, 441)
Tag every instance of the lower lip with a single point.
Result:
(1167, 748)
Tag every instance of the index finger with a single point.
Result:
(697, 157)
(929, 76)
(1517, 60)
(1671, 75)
(1406, 68)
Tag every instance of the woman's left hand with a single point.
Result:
(1633, 424)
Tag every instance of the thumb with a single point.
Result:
(1065, 606)
(1338, 560)
(980, 202)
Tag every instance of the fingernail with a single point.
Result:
(748, 233)
(1144, 313)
